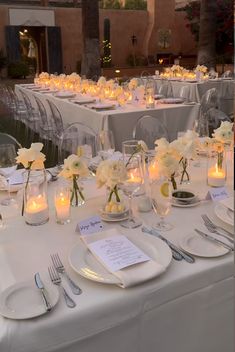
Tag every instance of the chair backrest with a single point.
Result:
(8, 139)
(57, 119)
(26, 101)
(78, 135)
(209, 100)
(227, 74)
(165, 89)
(215, 117)
(42, 112)
(184, 93)
(148, 129)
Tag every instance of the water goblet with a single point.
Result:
(7, 168)
(160, 190)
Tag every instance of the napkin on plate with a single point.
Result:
(131, 275)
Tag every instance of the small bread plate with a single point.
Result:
(201, 247)
(81, 101)
(183, 196)
(85, 263)
(114, 217)
(193, 203)
(24, 300)
(224, 214)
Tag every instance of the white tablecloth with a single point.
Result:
(176, 117)
(225, 90)
(188, 308)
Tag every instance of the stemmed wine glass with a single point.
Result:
(130, 186)
(7, 168)
(160, 190)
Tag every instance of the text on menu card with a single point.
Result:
(217, 194)
(117, 252)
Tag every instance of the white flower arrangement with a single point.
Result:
(176, 68)
(224, 133)
(111, 173)
(73, 168)
(101, 81)
(31, 158)
(44, 75)
(201, 68)
(133, 84)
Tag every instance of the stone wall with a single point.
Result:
(123, 24)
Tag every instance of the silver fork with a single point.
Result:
(56, 279)
(61, 269)
(213, 228)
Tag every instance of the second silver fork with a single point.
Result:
(213, 228)
(61, 269)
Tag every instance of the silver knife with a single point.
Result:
(213, 239)
(40, 286)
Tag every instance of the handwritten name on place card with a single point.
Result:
(117, 252)
(90, 225)
(217, 194)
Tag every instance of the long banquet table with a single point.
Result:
(187, 308)
(225, 89)
(175, 117)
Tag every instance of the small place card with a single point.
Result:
(117, 252)
(90, 225)
(217, 194)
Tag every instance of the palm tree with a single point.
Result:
(90, 31)
(207, 34)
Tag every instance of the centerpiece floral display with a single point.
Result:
(73, 169)
(32, 159)
(111, 173)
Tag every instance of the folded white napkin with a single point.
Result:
(228, 203)
(131, 275)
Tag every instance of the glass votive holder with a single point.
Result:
(62, 204)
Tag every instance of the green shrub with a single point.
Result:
(136, 60)
(18, 69)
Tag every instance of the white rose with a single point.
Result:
(224, 133)
(143, 145)
(76, 166)
(31, 156)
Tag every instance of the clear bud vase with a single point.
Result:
(216, 168)
(76, 193)
(184, 174)
(35, 204)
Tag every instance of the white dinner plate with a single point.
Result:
(103, 106)
(24, 300)
(85, 264)
(18, 186)
(64, 95)
(172, 101)
(224, 214)
(81, 101)
(194, 203)
(201, 247)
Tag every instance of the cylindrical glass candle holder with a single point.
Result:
(62, 204)
(216, 168)
(35, 206)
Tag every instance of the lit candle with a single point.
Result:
(62, 205)
(36, 210)
(216, 177)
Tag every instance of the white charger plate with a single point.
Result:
(201, 247)
(24, 300)
(172, 101)
(18, 186)
(103, 106)
(64, 95)
(86, 265)
(224, 214)
(81, 101)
